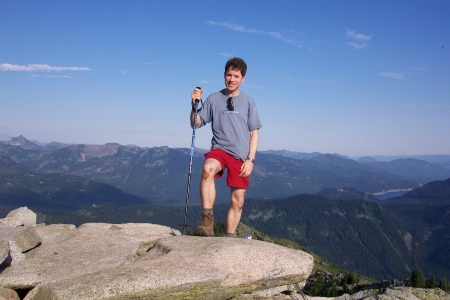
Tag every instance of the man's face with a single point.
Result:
(233, 79)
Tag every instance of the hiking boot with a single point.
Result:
(206, 226)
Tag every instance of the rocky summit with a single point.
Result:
(139, 261)
(148, 261)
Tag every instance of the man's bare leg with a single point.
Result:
(207, 186)
(208, 194)
(235, 211)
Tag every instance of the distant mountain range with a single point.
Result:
(420, 170)
(293, 154)
(160, 174)
(438, 159)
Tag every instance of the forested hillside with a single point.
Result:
(425, 214)
(347, 194)
(21, 187)
(354, 234)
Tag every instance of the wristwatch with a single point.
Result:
(251, 159)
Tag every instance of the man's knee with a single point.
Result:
(210, 169)
(237, 205)
(237, 198)
(208, 172)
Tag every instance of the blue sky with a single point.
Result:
(350, 77)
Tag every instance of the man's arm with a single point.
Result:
(196, 94)
(253, 143)
(199, 120)
(247, 166)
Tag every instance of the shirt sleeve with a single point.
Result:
(253, 117)
(206, 112)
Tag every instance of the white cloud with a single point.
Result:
(274, 34)
(50, 76)
(280, 36)
(226, 54)
(392, 75)
(235, 27)
(357, 36)
(39, 67)
(63, 76)
(359, 39)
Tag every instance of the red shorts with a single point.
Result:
(234, 168)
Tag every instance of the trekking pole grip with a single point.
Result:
(197, 100)
(195, 107)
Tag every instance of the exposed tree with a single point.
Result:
(317, 287)
(430, 282)
(443, 284)
(416, 278)
(350, 278)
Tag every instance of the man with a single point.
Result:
(235, 124)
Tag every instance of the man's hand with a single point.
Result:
(196, 95)
(246, 168)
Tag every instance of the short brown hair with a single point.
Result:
(236, 63)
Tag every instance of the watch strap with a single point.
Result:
(251, 159)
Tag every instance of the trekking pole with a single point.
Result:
(190, 165)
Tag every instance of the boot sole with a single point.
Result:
(203, 232)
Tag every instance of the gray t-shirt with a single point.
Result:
(231, 129)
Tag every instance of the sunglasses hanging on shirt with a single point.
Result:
(230, 105)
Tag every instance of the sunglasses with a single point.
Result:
(230, 105)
